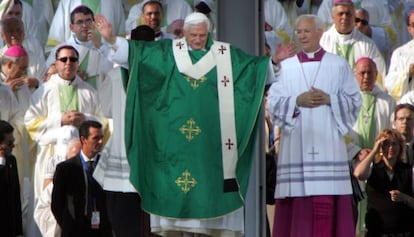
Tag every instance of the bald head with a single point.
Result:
(365, 72)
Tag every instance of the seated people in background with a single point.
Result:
(389, 187)
(13, 34)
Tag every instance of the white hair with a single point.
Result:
(196, 18)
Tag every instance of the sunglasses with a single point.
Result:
(65, 59)
(363, 22)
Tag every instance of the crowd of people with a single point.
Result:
(128, 118)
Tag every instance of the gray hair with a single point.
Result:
(196, 18)
(317, 20)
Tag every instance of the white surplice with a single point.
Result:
(312, 157)
(398, 81)
(43, 118)
(361, 44)
(98, 65)
(384, 110)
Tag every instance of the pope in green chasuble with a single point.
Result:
(173, 130)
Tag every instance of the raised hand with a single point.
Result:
(105, 28)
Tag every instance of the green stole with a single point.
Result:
(84, 67)
(366, 121)
(346, 51)
(68, 98)
(172, 133)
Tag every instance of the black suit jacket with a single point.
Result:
(10, 205)
(69, 201)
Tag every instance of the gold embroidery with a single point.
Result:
(190, 130)
(185, 182)
(195, 83)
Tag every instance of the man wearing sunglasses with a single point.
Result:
(377, 34)
(64, 100)
(93, 62)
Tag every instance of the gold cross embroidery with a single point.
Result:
(195, 83)
(190, 130)
(185, 182)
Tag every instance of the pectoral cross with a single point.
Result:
(366, 117)
(313, 153)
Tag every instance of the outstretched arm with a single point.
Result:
(118, 46)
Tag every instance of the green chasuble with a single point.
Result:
(172, 131)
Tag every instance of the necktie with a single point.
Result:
(90, 166)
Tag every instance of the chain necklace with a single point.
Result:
(314, 77)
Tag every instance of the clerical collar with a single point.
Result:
(87, 44)
(312, 56)
(64, 82)
(345, 38)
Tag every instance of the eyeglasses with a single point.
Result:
(65, 59)
(86, 22)
(363, 22)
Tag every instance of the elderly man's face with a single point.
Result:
(308, 35)
(196, 36)
(16, 69)
(344, 18)
(366, 74)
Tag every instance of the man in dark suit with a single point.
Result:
(404, 123)
(78, 202)
(10, 205)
